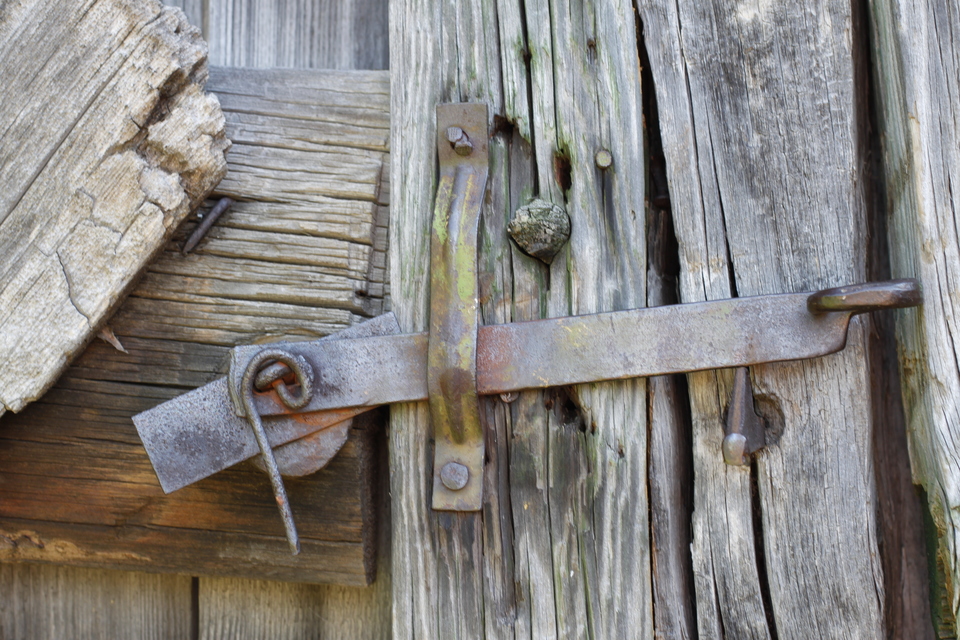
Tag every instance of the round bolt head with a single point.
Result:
(454, 476)
(604, 159)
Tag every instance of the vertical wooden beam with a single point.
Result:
(562, 549)
(918, 90)
(758, 110)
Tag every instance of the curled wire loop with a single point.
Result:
(305, 378)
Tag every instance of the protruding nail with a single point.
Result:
(218, 209)
(459, 140)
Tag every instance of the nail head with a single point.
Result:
(604, 159)
(454, 476)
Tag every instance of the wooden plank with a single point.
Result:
(78, 487)
(671, 463)
(109, 143)
(38, 602)
(233, 608)
(561, 548)
(916, 66)
(312, 34)
(764, 161)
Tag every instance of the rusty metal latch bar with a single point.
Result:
(452, 346)
(199, 433)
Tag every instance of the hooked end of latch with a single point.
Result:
(869, 296)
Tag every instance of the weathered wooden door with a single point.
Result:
(743, 163)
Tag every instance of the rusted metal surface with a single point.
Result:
(893, 294)
(744, 428)
(452, 342)
(208, 221)
(310, 453)
(198, 434)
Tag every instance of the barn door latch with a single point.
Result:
(280, 393)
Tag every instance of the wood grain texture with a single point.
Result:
(109, 143)
(671, 463)
(233, 608)
(312, 34)
(561, 548)
(39, 602)
(284, 263)
(758, 110)
(916, 67)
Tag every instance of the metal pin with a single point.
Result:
(218, 209)
(744, 428)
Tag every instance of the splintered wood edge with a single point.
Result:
(148, 147)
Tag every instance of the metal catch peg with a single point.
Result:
(744, 428)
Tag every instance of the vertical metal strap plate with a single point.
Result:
(452, 351)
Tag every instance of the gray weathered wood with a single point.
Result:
(233, 608)
(562, 549)
(39, 602)
(108, 143)
(671, 466)
(284, 263)
(758, 109)
(315, 34)
(916, 66)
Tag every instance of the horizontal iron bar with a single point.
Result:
(198, 433)
(367, 372)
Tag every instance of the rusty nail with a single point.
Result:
(604, 159)
(222, 205)
(454, 476)
(460, 141)
(510, 396)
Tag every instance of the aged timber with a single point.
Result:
(560, 549)
(918, 105)
(178, 327)
(103, 154)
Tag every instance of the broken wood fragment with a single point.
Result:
(109, 142)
